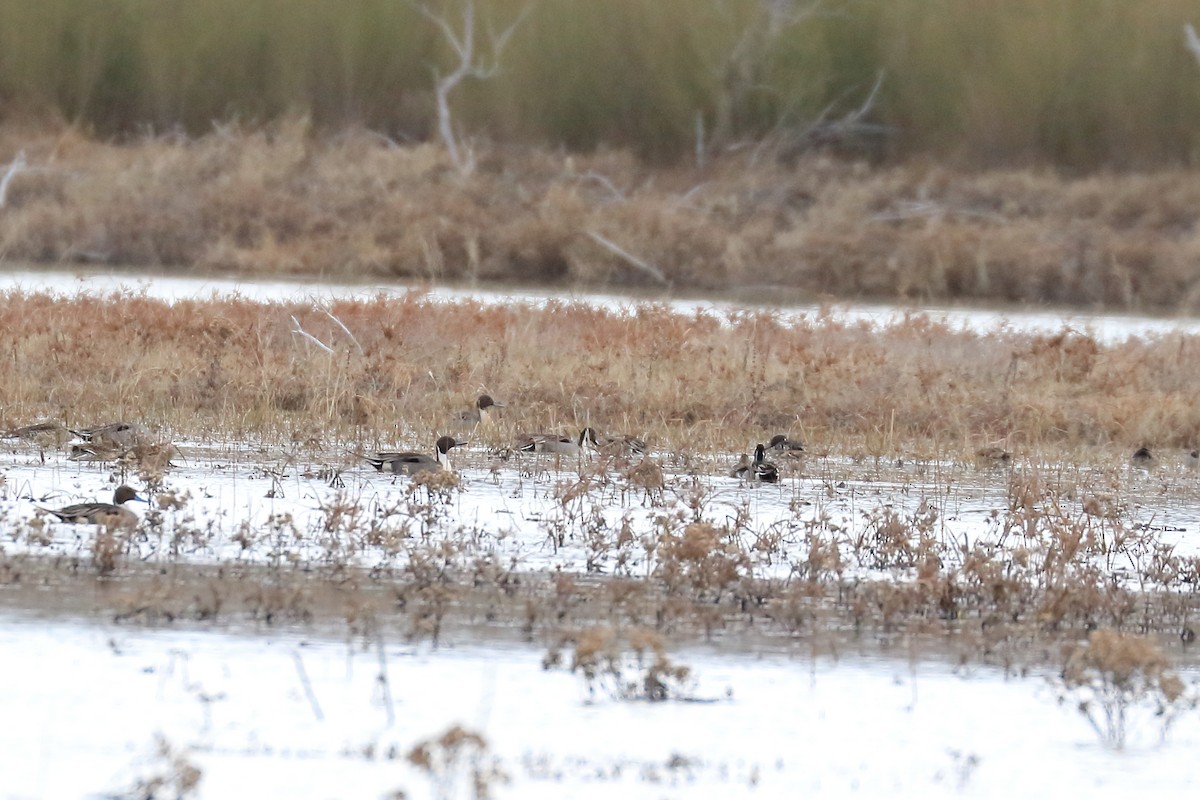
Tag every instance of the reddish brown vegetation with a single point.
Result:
(691, 382)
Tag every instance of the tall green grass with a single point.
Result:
(1080, 83)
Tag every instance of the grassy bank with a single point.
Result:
(1072, 82)
(689, 383)
(285, 200)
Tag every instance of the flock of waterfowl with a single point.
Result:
(101, 443)
(118, 440)
(115, 440)
(622, 445)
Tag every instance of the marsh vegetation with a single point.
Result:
(998, 499)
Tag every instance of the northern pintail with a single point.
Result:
(112, 514)
(619, 445)
(757, 470)
(480, 413)
(45, 432)
(412, 463)
(781, 443)
(114, 435)
(552, 443)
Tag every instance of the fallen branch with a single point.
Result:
(651, 270)
(923, 210)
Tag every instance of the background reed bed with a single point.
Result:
(1077, 83)
(284, 199)
(690, 383)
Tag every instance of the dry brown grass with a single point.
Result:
(283, 200)
(224, 369)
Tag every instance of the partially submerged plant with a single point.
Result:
(456, 755)
(633, 668)
(177, 777)
(1119, 680)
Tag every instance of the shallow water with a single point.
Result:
(279, 713)
(1105, 327)
(263, 505)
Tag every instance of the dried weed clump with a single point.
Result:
(1118, 680)
(457, 757)
(176, 776)
(289, 200)
(630, 667)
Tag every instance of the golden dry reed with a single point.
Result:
(689, 382)
(286, 200)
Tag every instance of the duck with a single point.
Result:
(783, 444)
(114, 435)
(1193, 459)
(43, 433)
(553, 443)
(112, 514)
(412, 463)
(1142, 457)
(757, 470)
(478, 414)
(617, 445)
(743, 468)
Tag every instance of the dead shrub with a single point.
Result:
(457, 754)
(1118, 680)
(634, 667)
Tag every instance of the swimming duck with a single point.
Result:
(757, 470)
(782, 444)
(552, 443)
(114, 435)
(412, 463)
(1142, 457)
(112, 514)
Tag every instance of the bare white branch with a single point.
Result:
(346, 330)
(651, 270)
(300, 330)
(1191, 40)
(605, 182)
(469, 65)
(15, 168)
